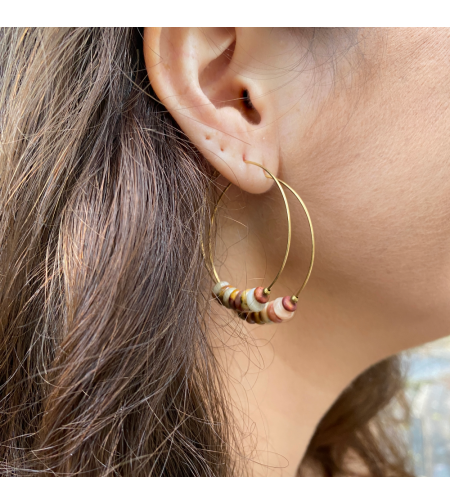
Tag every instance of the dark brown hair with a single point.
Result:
(105, 365)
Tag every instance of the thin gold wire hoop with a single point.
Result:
(311, 229)
(288, 214)
(279, 183)
(313, 243)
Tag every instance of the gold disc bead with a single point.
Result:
(244, 305)
(258, 318)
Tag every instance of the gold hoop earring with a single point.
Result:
(253, 305)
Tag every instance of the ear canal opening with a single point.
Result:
(249, 110)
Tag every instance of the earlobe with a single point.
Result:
(194, 74)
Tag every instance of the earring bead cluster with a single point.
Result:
(253, 305)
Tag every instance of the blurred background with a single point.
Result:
(428, 392)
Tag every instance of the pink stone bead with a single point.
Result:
(260, 296)
(280, 310)
(237, 301)
(271, 313)
(288, 304)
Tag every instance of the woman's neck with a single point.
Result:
(282, 378)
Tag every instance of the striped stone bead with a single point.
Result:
(226, 295)
(243, 301)
(219, 290)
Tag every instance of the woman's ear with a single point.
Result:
(203, 76)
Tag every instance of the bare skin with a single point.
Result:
(359, 126)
